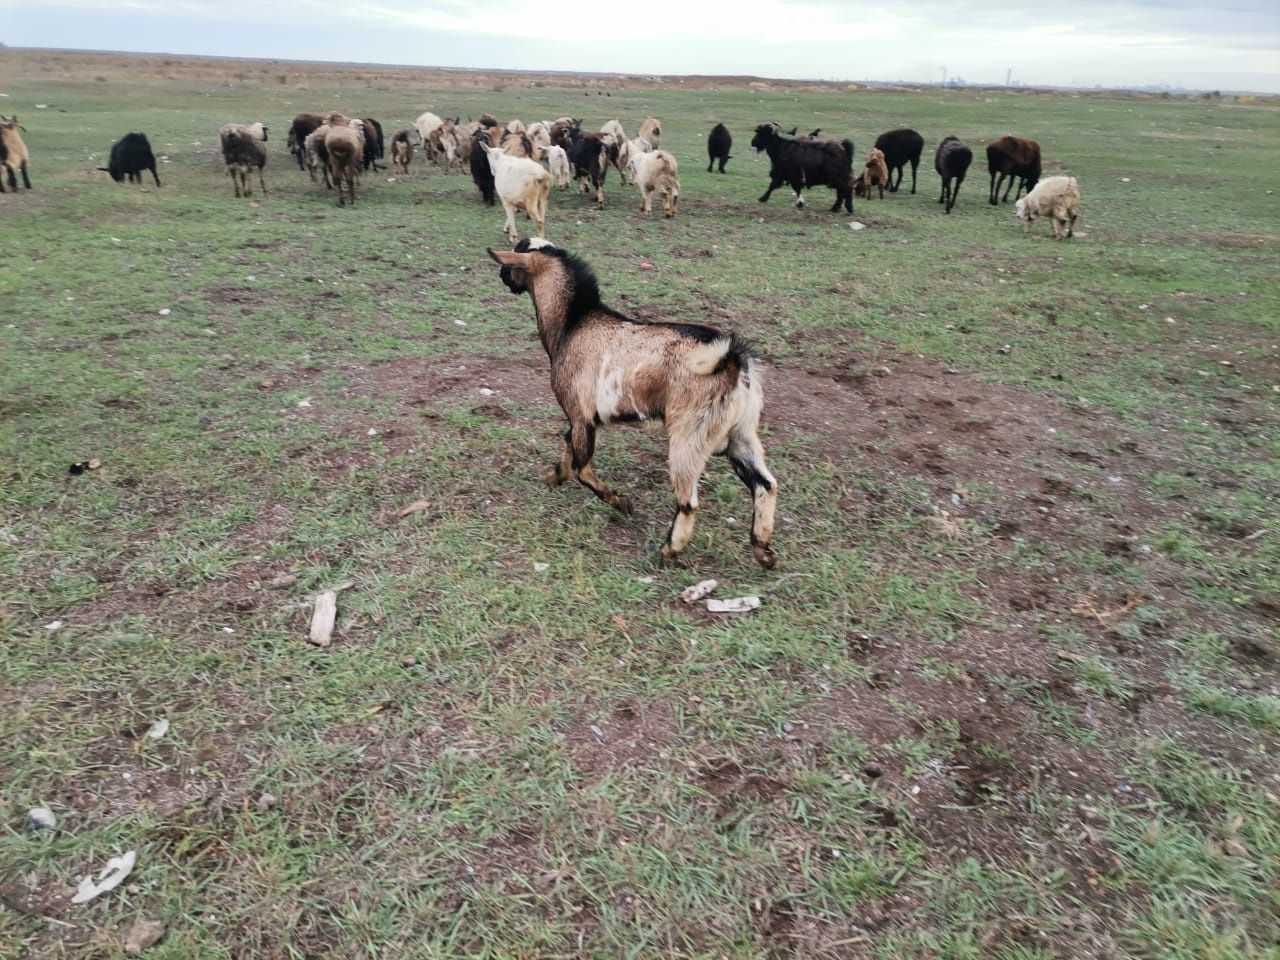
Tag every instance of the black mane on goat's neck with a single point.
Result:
(586, 288)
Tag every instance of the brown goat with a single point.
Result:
(345, 145)
(401, 153)
(13, 154)
(874, 174)
(607, 368)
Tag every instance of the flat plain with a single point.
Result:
(1012, 691)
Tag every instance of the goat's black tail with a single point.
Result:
(848, 151)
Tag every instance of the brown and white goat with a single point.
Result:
(345, 145)
(656, 172)
(401, 152)
(608, 368)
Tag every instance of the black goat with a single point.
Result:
(373, 149)
(301, 128)
(1015, 158)
(481, 172)
(130, 155)
(900, 147)
(719, 142)
(807, 163)
(588, 168)
(952, 163)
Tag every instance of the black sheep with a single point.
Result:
(900, 147)
(130, 155)
(807, 163)
(588, 169)
(719, 142)
(301, 128)
(952, 163)
(1016, 158)
(373, 149)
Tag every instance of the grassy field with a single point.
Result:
(1012, 691)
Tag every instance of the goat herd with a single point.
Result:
(507, 162)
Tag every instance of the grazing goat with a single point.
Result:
(13, 153)
(345, 145)
(807, 163)
(1057, 198)
(900, 147)
(558, 164)
(874, 174)
(609, 368)
(521, 184)
(426, 125)
(373, 149)
(301, 128)
(242, 150)
(952, 163)
(401, 152)
(130, 155)
(655, 172)
(1015, 158)
(719, 143)
(651, 131)
(481, 172)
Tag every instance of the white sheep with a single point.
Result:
(521, 184)
(1057, 198)
(558, 161)
(655, 172)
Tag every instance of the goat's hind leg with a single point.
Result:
(687, 463)
(746, 456)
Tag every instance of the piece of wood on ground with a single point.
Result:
(322, 620)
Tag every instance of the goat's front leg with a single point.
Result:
(582, 440)
(774, 184)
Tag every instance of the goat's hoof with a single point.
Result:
(622, 503)
(765, 557)
(670, 556)
(552, 477)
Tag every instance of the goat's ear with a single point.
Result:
(509, 259)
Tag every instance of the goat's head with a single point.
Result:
(766, 133)
(522, 263)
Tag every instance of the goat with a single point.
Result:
(1015, 158)
(426, 125)
(558, 164)
(563, 131)
(608, 368)
(13, 153)
(401, 152)
(719, 143)
(807, 163)
(301, 128)
(373, 149)
(481, 172)
(1057, 198)
(627, 151)
(242, 150)
(874, 174)
(130, 155)
(539, 134)
(316, 154)
(345, 145)
(952, 163)
(900, 147)
(584, 154)
(521, 184)
(655, 172)
(651, 131)
(516, 143)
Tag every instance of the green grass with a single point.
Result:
(888, 759)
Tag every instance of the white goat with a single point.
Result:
(558, 161)
(427, 124)
(521, 184)
(1057, 198)
(655, 172)
(626, 151)
(649, 130)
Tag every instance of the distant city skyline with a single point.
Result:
(1127, 43)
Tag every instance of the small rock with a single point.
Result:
(541, 567)
(699, 590)
(459, 322)
(646, 265)
(266, 802)
(41, 818)
(53, 625)
(1125, 180)
(485, 392)
(857, 225)
(1006, 349)
(873, 771)
(733, 605)
(372, 432)
(158, 729)
(282, 581)
(304, 403)
(143, 934)
(408, 660)
(165, 312)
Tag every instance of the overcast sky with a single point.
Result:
(1231, 45)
